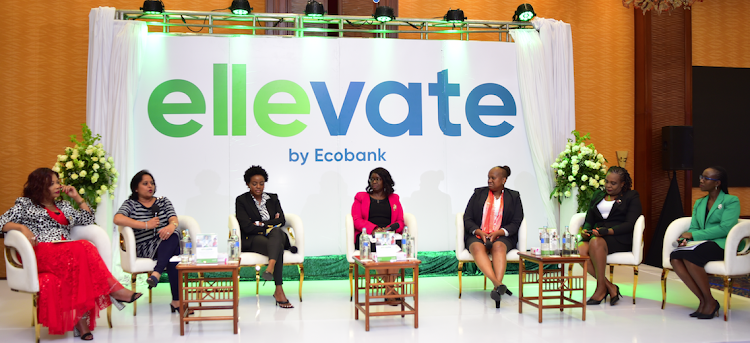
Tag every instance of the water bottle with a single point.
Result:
(567, 242)
(412, 247)
(233, 244)
(405, 247)
(364, 246)
(545, 242)
(554, 240)
(187, 247)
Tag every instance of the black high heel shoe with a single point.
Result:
(282, 304)
(613, 300)
(174, 309)
(591, 300)
(695, 314)
(714, 313)
(152, 281)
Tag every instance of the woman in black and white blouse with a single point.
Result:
(258, 211)
(74, 282)
(154, 224)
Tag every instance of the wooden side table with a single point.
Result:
(552, 281)
(390, 293)
(202, 289)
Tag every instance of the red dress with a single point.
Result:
(73, 281)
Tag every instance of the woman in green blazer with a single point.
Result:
(713, 216)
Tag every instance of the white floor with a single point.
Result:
(326, 315)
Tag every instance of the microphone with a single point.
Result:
(676, 244)
(155, 210)
(394, 227)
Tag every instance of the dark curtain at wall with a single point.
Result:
(671, 210)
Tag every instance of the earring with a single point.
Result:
(717, 187)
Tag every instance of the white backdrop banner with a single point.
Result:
(318, 114)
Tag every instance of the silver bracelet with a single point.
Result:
(146, 225)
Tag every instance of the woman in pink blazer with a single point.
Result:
(377, 209)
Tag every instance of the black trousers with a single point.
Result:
(272, 246)
(166, 249)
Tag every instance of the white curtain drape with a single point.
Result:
(114, 66)
(545, 77)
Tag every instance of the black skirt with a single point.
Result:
(473, 239)
(613, 245)
(702, 254)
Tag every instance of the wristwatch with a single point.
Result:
(473, 232)
(175, 224)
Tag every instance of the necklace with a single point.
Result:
(610, 197)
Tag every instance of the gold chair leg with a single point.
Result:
(35, 314)
(33, 307)
(257, 280)
(664, 273)
(351, 283)
(635, 281)
(301, 279)
(727, 293)
(460, 272)
(132, 288)
(570, 280)
(611, 273)
(485, 282)
(109, 316)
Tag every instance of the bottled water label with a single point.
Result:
(564, 240)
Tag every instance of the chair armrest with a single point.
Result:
(294, 224)
(737, 263)
(640, 226)
(127, 248)
(349, 227)
(189, 224)
(98, 237)
(576, 222)
(22, 275)
(521, 236)
(460, 244)
(674, 230)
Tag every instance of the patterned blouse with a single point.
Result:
(147, 240)
(36, 218)
(262, 209)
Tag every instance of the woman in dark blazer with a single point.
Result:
(714, 215)
(257, 213)
(488, 231)
(608, 229)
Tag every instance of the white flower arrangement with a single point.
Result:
(79, 167)
(579, 165)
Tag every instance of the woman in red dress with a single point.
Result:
(74, 282)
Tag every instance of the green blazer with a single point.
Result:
(722, 217)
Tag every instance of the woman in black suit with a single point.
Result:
(608, 229)
(491, 222)
(258, 212)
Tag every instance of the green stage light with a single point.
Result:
(454, 16)
(152, 7)
(240, 7)
(524, 12)
(384, 14)
(314, 9)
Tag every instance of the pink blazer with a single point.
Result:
(361, 211)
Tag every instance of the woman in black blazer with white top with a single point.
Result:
(485, 231)
(256, 212)
(609, 225)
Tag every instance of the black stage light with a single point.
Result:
(152, 7)
(314, 9)
(384, 14)
(455, 16)
(524, 12)
(240, 7)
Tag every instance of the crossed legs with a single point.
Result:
(597, 250)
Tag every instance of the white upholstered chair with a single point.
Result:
(296, 232)
(463, 255)
(631, 258)
(735, 264)
(135, 265)
(409, 220)
(23, 274)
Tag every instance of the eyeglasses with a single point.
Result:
(374, 180)
(707, 178)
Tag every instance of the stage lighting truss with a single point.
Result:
(223, 23)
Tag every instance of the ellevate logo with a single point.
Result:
(337, 123)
